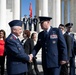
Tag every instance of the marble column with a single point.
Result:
(56, 13)
(37, 7)
(65, 11)
(73, 14)
(45, 8)
(51, 8)
(3, 14)
(39, 12)
(16, 9)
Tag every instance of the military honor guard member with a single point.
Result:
(16, 57)
(30, 22)
(35, 21)
(54, 50)
(25, 22)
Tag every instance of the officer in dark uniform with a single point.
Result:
(16, 57)
(35, 21)
(25, 21)
(72, 54)
(64, 68)
(30, 21)
(54, 50)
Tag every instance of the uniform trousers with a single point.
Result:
(30, 27)
(30, 70)
(35, 27)
(52, 71)
(25, 25)
(64, 69)
(35, 66)
(72, 65)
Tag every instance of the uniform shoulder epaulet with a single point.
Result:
(11, 38)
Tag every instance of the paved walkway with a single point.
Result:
(40, 67)
(40, 70)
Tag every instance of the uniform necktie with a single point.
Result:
(19, 41)
(46, 34)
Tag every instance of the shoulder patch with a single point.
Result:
(12, 37)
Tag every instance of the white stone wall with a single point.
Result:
(9, 10)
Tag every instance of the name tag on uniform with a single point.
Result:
(53, 36)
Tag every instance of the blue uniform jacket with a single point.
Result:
(16, 57)
(72, 43)
(53, 47)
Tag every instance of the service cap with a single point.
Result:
(15, 23)
(69, 25)
(43, 18)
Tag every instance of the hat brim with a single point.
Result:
(69, 25)
(42, 19)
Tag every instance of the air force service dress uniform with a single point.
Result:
(53, 47)
(16, 57)
(72, 54)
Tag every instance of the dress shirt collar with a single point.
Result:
(48, 29)
(15, 36)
